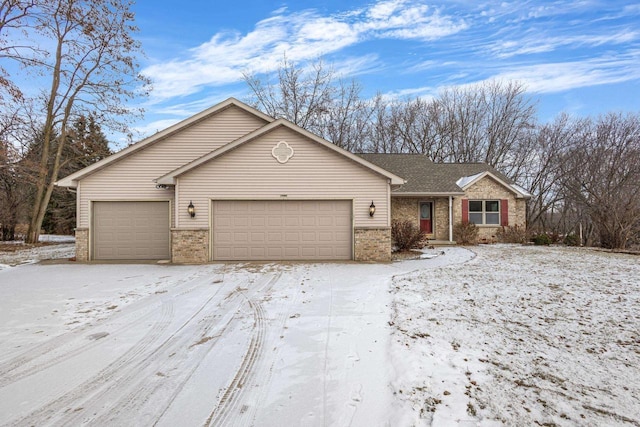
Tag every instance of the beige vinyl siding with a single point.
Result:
(314, 173)
(132, 178)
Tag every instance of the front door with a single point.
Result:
(426, 210)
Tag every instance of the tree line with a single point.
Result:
(583, 172)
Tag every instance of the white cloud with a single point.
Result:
(540, 44)
(551, 77)
(564, 76)
(300, 36)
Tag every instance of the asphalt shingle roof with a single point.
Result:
(424, 176)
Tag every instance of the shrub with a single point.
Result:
(554, 237)
(513, 234)
(407, 236)
(571, 240)
(465, 233)
(541, 239)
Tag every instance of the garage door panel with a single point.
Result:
(326, 236)
(274, 221)
(130, 230)
(274, 237)
(281, 230)
(308, 221)
(309, 236)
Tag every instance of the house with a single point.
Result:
(438, 195)
(232, 183)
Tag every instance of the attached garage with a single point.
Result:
(233, 184)
(282, 230)
(131, 230)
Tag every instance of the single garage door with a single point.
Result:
(130, 230)
(282, 230)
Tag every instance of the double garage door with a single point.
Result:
(131, 231)
(282, 230)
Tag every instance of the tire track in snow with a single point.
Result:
(232, 395)
(145, 385)
(108, 377)
(21, 366)
(18, 367)
(145, 382)
(48, 411)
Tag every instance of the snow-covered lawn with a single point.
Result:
(490, 335)
(522, 336)
(57, 247)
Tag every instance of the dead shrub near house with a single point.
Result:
(512, 234)
(465, 233)
(407, 236)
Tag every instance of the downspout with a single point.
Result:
(450, 219)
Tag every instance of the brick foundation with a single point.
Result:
(372, 244)
(190, 246)
(82, 244)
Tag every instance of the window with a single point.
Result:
(484, 212)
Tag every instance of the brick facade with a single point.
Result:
(408, 209)
(488, 189)
(190, 246)
(372, 244)
(82, 244)
(405, 209)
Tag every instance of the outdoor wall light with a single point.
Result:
(191, 209)
(372, 209)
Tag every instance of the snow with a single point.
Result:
(521, 190)
(56, 238)
(466, 180)
(482, 336)
(61, 247)
(522, 336)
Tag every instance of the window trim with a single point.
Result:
(484, 212)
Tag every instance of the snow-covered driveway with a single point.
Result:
(270, 345)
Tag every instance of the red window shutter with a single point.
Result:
(504, 212)
(465, 211)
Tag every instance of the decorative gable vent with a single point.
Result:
(282, 152)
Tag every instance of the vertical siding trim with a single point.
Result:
(91, 229)
(389, 203)
(353, 228)
(211, 234)
(176, 203)
(78, 204)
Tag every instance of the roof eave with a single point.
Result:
(65, 182)
(519, 194)
(427, 193)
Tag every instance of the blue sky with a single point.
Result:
(581, 57)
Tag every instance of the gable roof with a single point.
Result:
(71, 180)
(425, 177)
(170, 178)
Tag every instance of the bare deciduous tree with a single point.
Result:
(601, 175)
(315, 100)
(13, 17)
(92, 69)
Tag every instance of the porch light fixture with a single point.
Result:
(372, 209)
(191, 210)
